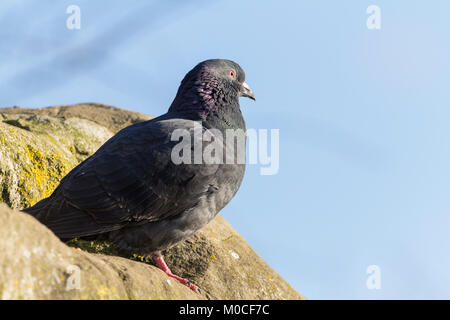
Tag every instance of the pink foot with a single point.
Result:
(160, 263)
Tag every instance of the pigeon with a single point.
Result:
(135, 193)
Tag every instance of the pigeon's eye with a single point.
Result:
(232, 74)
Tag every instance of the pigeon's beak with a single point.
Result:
(247, 92)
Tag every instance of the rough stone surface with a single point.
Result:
(108, 116)
(36, 265)
(36, 150)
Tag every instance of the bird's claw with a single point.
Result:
(193, 286)
(161, 264)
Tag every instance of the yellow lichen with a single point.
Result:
(46, 169)
(228, 238)
(105, 292)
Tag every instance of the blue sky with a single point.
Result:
(363, 116)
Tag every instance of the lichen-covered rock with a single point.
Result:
(36, 151)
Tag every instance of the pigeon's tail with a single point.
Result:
(66, 221)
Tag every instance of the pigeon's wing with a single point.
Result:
(130, 179)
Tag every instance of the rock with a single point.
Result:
(110, 117)
(35, 264)
(37, 151)
(37, 148)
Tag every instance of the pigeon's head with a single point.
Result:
(227, 74)
(212, 85)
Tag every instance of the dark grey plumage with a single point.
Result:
(131, 192)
